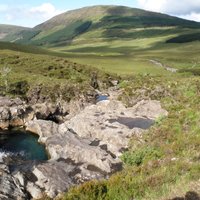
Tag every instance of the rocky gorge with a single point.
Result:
(84, 141)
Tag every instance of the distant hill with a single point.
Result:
(28, 49)
(102, 22)
(10, 32)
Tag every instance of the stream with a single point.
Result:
(21, 143)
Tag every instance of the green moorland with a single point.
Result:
(22, 72)
(165, 162)
(134, 55)
(10, 32)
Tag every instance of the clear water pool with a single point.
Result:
(21, 143)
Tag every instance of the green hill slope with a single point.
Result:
(10, 32)
(107, 22)
(118, 39)
(28, 49)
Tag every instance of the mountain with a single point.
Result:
(28, 49)
(10, 32)
(102, 23)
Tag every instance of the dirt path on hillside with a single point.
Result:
(166, 67)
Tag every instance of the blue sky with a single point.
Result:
(32, 12)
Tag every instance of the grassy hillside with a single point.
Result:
(164, 163)
(184, 38)
(119, 39)
(124, 40)
(29, 49)
(54, 77)
(108, 22)
(139, 46)
(10, 32)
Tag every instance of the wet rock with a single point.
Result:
(62, 143)
(86, 146)
(10, 186)
(57, 177)
(4, 117)
(113, 124)
(34, 190)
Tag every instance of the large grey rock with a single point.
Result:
(112, 124)
(62, 143)
(56, 177)
(14, 113)
(87, 146)
(10, 187)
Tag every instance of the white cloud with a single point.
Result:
(3, 8)
(189, 9)
(9, 17)
(22, 14)
(171, 6)
(153, 5)
(45, 11)
(193, 16)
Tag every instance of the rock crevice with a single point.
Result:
(86, 146)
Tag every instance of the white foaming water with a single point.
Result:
(4, 154)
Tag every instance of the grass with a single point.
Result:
(132, 55)
(168, 155)
(169, 152)
(55, 76)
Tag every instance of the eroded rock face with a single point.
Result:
(62, 143)
(56, 177)
(110, 123)
(86, 146)
(10, 187)
(15, 112)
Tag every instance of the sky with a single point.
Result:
(30, 13)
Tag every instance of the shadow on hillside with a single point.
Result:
(189, 196)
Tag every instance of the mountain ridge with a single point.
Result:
(108, 22)
(6, 30)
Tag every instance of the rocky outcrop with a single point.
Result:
(62, 143)
(90, 143)
(55, 177)
(10, 188)
(111, 124)
(86, 146)
(15, 113)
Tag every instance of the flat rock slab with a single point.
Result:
(131, 123)
(10, 187)
(85, 147)
(112, 124)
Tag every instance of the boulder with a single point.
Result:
(62, 143)
(56, 177)
(86, 146)
(10, 186)
(112, 124)
(4, 118)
